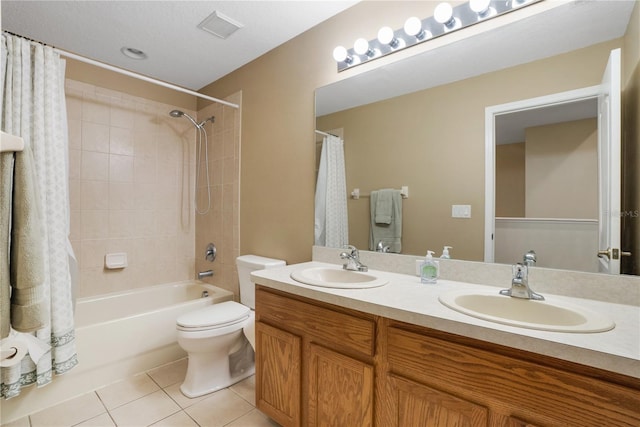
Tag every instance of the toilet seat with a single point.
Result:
(214, 316)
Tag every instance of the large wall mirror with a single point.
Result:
(420, 122)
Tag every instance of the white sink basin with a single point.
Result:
(542, 315)
(337, 277)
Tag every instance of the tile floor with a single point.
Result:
(154, 399)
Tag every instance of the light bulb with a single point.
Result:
(413, 26)
(361, 46)
(443, 13)
(479, 6)
(385, 35)
(340, 54)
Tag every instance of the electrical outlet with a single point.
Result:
(461, 211)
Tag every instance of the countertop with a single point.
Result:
(405, 299)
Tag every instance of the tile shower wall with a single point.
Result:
(131, 175)
(221, 224)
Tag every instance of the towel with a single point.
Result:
(6, 187)
(29, 310)
(384, 207)
(389, 234)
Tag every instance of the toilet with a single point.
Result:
(219, 339)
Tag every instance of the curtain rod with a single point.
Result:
(142, 77)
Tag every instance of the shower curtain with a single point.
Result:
(33, 107)
(331, 220)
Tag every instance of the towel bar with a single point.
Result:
(355, 194)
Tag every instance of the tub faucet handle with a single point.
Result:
(210, 252)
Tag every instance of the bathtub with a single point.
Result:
(119, 335)
(124, 325)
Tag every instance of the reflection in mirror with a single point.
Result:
(546, 185)
(431, 137)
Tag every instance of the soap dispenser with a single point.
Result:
(429, 269)
(445, 252)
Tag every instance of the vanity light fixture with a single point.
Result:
(387, 37)
(482, 8)
(361, 47)
(340, 54)
(443, 14)
(413, 27)
(415, 31)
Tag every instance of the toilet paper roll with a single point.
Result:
(12, 352)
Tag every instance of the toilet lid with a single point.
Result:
(219, 314)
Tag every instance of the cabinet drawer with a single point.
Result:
(332, 328)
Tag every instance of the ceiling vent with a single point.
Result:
(219, 25)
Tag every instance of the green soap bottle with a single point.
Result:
(429, 269)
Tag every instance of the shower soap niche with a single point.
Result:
(115, 260)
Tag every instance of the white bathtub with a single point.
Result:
(122, 325)
(119, 335)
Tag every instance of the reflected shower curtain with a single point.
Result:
(33, 107)
(331, 220)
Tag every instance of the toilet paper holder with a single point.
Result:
(8, 354)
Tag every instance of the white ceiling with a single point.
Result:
(178, 51)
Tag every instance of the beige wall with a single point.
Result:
(130, 175)
(562, 170)
(631, 146)
(278, 123)
(510, 180)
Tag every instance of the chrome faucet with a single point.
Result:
(203, 274)
(529, 259)
(381, 247)
(353, 259)
(520, 284)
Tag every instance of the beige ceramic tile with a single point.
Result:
(170, 373)
(95, 166)
(103, 420)
(246, 389)
(146, 410)
(174, 392)
(254, 418)
(181, 419)
(126, 391)
(95, 137)
(70, 412)
(219, 409)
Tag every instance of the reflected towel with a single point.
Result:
(389, 234)
(384, 207)
(28, 306)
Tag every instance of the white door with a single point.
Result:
(609, 125)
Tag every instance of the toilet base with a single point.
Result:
(205, 377)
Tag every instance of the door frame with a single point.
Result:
(490, 114)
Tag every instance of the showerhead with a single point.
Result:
(178, 113)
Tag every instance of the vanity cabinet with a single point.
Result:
(319, 364)
(314, 362)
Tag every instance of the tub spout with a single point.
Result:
(203, 274)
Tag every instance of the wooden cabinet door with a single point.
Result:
(278, 362)
(417, 405)
(340, 389)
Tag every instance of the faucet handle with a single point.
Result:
(353, 249)
(519, 271)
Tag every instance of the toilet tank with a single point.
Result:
(246, 264)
